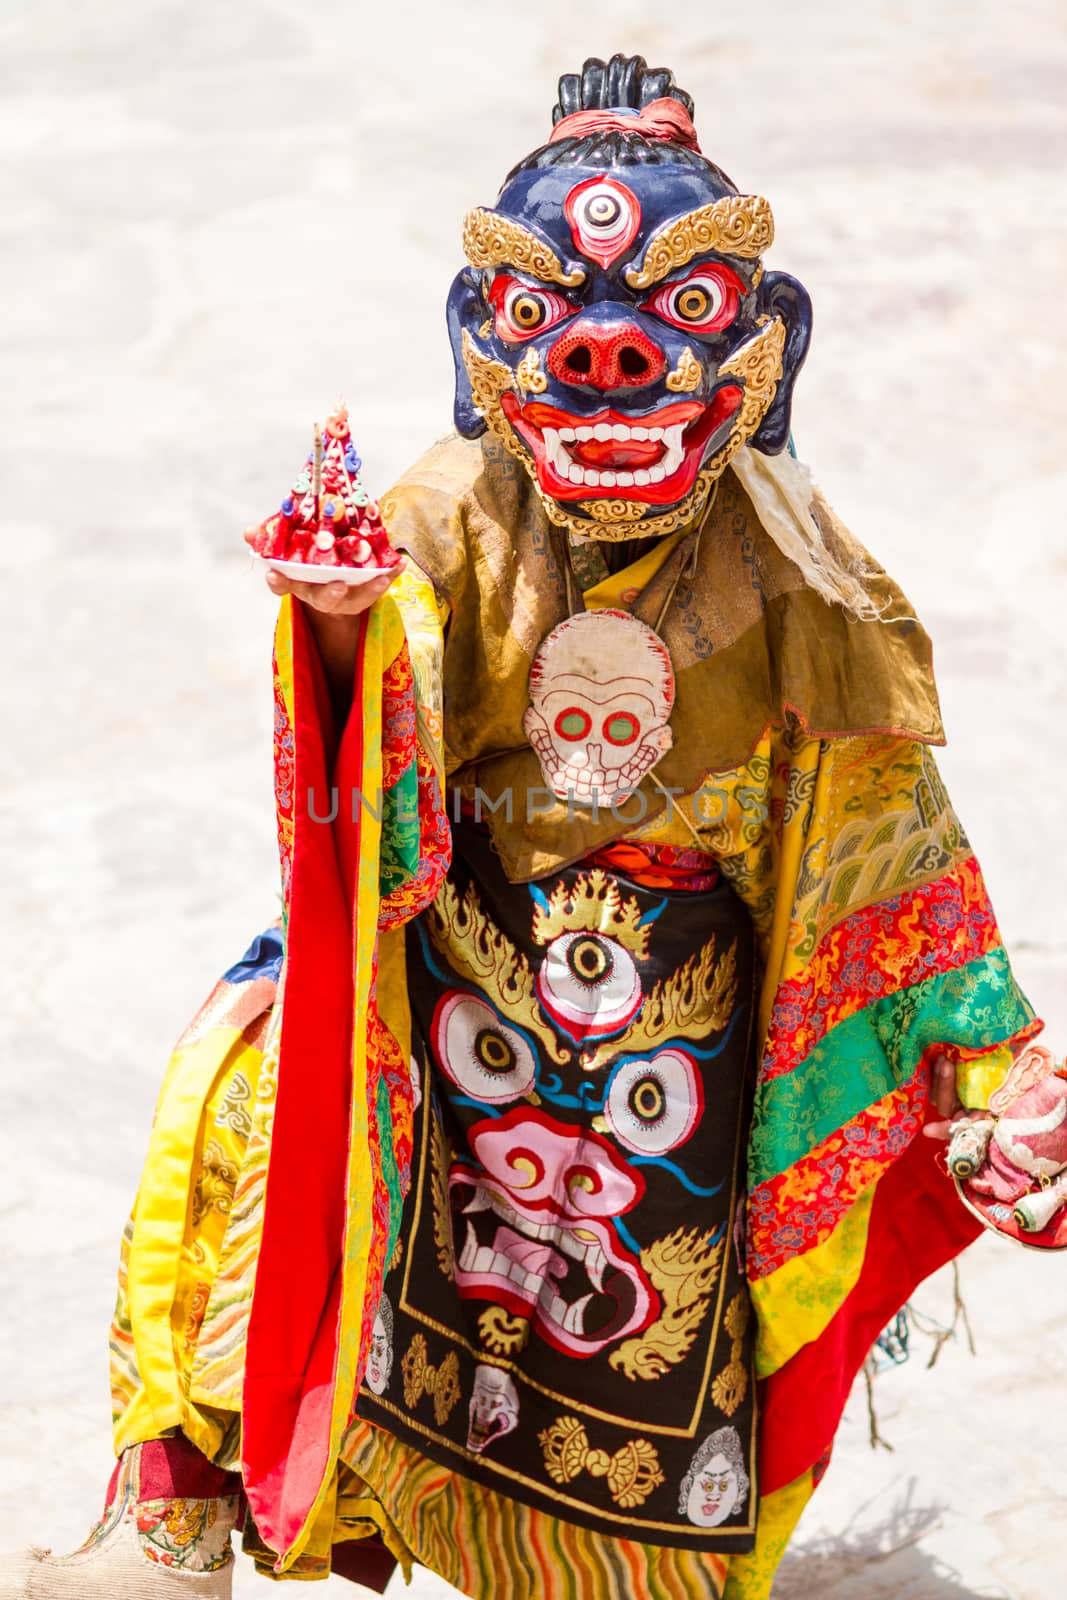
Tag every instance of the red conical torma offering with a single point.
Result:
(327, 519)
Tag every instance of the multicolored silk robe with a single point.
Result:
(273, 1195)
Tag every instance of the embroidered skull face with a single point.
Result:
(601, 695)
(494, 1408)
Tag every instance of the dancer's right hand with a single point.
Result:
(333, 599)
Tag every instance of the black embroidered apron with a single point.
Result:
(566, 1319)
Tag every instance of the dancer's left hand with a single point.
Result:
(946, 1101)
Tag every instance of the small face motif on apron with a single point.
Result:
(717, 1483)
(494, 1408)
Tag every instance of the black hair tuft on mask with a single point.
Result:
(622, 81)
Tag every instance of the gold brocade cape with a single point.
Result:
(752, 645)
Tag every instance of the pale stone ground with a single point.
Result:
(217, 218)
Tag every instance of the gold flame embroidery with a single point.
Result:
(697, 999)
(481, 954)
(440, 1161)
(592, 904)
(684, 1269)
(503, 1334)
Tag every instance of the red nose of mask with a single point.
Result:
(615, 356)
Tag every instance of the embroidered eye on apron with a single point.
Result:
(565, 1318)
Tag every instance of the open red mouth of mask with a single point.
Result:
(653, 458)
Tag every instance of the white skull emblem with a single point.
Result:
(494, 1408)
(601, 694)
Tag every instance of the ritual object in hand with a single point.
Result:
(327, 527)
(1011, 1167)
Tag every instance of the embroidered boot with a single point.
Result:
(152, 1543)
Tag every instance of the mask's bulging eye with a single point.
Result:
(521, 311)
(653, 1106)
(487, 1060)
(705, 302)
(527, 311)
(604, 216)
(695, 304)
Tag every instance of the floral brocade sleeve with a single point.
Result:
(880, 951)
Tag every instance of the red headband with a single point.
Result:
(662, 119)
